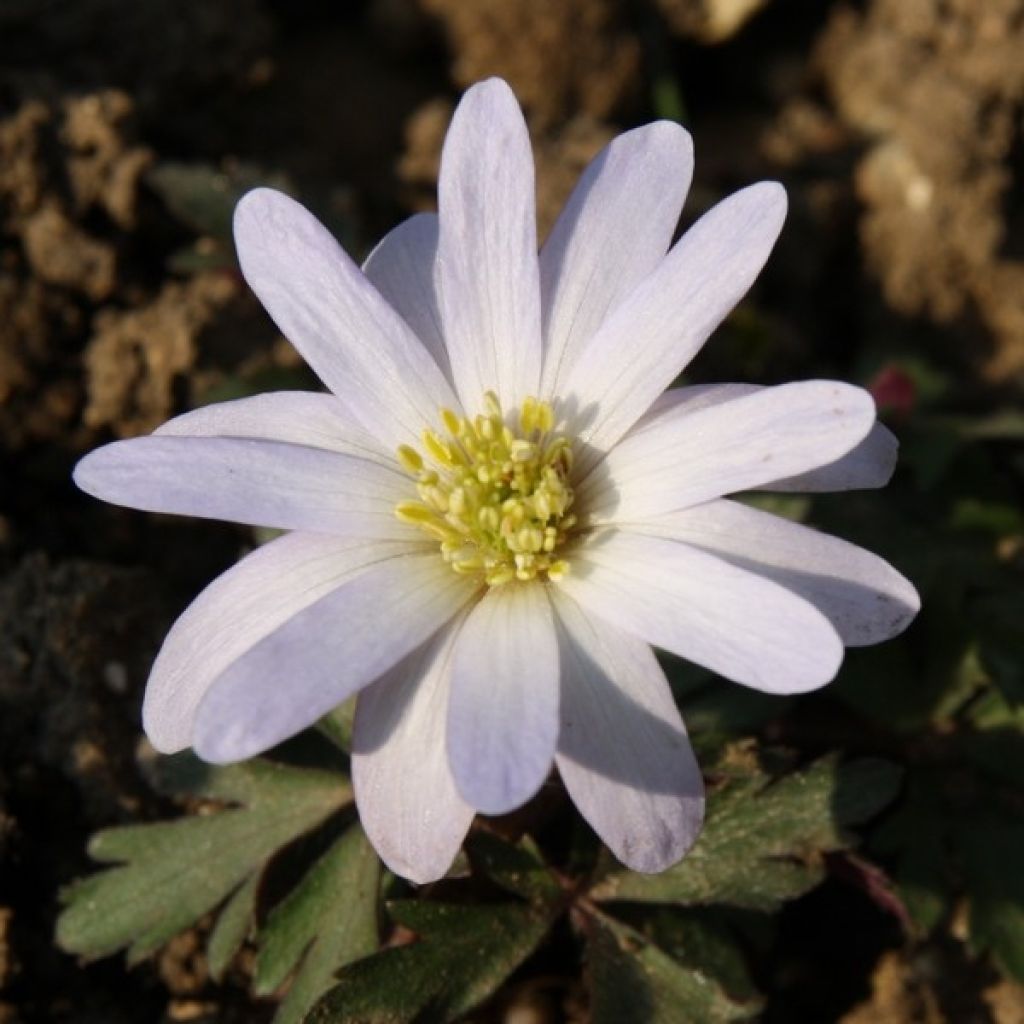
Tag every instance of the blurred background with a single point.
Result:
(127, 131)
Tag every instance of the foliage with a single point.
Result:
(166, 876)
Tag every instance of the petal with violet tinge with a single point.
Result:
(503, 710)
(687, 458)
(867, 465)
(324, 654)
(863, 596)
(408, 802)
(657, 329)
(402, 269)
(613, 232)
(487, 272)
(623, 752)
(327, 308)
(296, 417)
(239, 609)
(260, 483)
(700, 607)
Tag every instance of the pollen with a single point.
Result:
(494, 491)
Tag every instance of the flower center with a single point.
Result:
(497, 498)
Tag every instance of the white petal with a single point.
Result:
(686, 458)
(357, 344)
(650, 337)
(262, 483)
(402, 269)
(869, 464)
(238, 610)
(503, 712)
(699, 607)
(328, 651)
(864, 597)
(487, 251)
(407, 799)
(298, 417)
(613, 232)
(623, 753)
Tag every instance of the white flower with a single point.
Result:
(494, 515)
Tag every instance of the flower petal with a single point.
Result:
(867, 465)
(503, 712)
(487, 250)
(357, 344)
(262, 483)
(239, 609)
(613, 232)
(296, 417)
(401, 267)
(407, 799)
(328, 651)
(649, 338)
(699, 607)
(686, 458)
(623, 753)
(864, 597)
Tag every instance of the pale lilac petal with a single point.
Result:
(297, 417)
(864, 597)
(623, 753)
(650, 337)
(701, 608)
(868, 465)
(613, 232)
(324, 654)
(503, 711)
(261, 483)
(408, 802)
(357, 344)
(487, 270)
(401, 267)
(238, 610)
(687, 458)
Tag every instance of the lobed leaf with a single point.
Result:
(233, 925)
(762, 841)
(328, 920)
(634, 981)
(461, 956)
(169, 874)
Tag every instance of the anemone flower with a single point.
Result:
(497, 509)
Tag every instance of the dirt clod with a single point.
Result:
(135, 356)
(561, 59)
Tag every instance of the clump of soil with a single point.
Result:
(136, 356)
(898, 995)
(711, 21)
(564, 59)
(935, 88)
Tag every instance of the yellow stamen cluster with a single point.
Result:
(496, 496)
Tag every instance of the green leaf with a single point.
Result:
(993, 851)
(517, 869)
(232, 927)
(915, 836)
(762, 841)
(170, 874)
(461, 955)
(327, 921)
(634, 981)
(204, 197)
